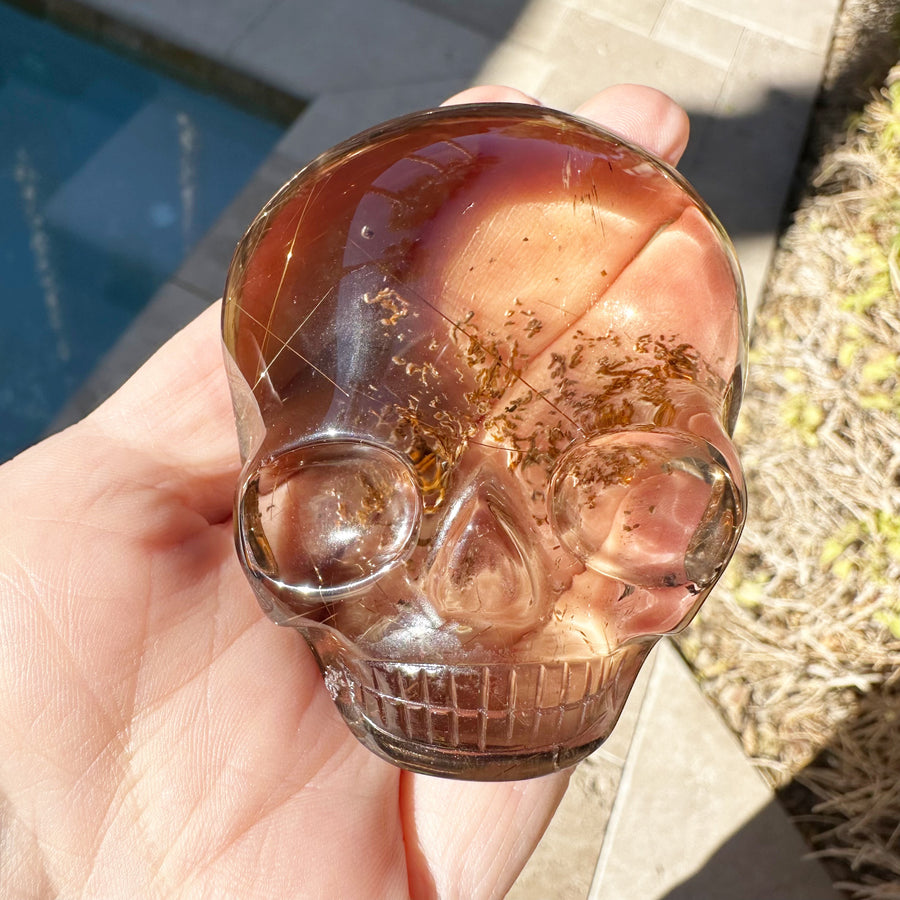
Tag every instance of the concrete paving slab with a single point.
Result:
(334, 117)
(310, 47)
(494, 17)
(562, 866)
(705, 35)
(518, 66)
(191, 24)
(692, 819)
(639, 16)
(741, 158)
(591, 53)
(755, 252)
(202, 272)
(801, 23)
(763, 63)
(536, 26)
(749, 93)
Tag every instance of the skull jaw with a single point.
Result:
(496, 705)
(486, 709)
(491, 721)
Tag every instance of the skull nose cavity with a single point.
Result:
(480, 578)
(650, 507)
(327, 518)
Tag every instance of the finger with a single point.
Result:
(490, 93)
(470, 839)
(642, 115)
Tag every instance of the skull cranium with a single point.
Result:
(485, 364)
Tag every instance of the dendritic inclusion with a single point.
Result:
(485, 363)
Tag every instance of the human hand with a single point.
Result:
(158, 736)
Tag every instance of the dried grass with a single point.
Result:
(800, 645)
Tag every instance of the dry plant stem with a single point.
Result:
(800, 647)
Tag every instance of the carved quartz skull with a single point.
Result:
(485, 363)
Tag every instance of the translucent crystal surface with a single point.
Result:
(485, 362)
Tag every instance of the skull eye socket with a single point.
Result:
(651, 507)
(328, 518)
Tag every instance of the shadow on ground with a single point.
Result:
(742, 867)
(849, 796)
(846, 802)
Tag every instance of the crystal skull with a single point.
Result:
(485, 363)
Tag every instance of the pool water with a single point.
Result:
(109, 174)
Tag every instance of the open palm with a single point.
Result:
(158, 735)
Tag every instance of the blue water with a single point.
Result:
(109, 174)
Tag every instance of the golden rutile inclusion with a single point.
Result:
(485, 364)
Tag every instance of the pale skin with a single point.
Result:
(159, 737)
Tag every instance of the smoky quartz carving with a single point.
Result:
(485, 363)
